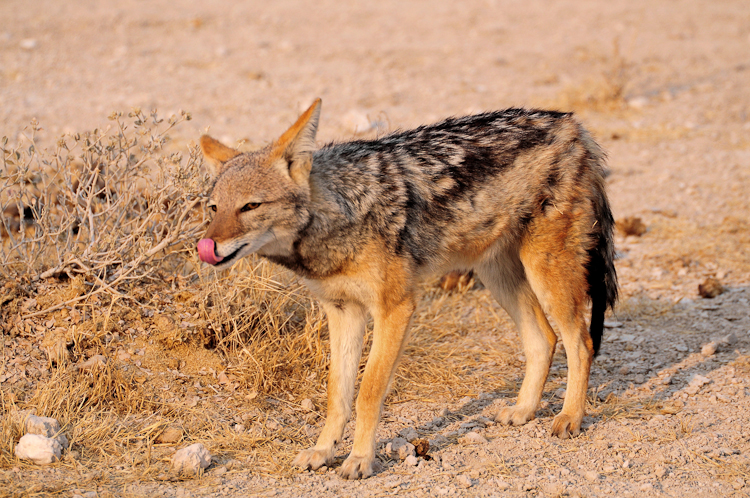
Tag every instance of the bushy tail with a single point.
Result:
(602, 276)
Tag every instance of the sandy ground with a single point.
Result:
(662, 85)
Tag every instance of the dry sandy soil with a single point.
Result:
(662, 85)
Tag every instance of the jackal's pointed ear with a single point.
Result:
(297, 144)
(216, 154)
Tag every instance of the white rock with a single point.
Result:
(591, 476)
(191, 460)
(464, 481)
(474, 438)
(307, 405)
(406, 451)
(638, 102)
(399, 448)
(659, 471)
(39, 449)
(409, 433)
(698, 381)
(29, 44)
(729, 339)
(411, 460)
(46, 426)
(709, 349)
(501, 485)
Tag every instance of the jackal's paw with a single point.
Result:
(565, 426)
(357, 467)
(313, 459)
(514, 415)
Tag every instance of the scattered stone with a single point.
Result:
(473, 438)
(640, 379)
(399, 448)
(438, 440)
(631, 225)
(611, 324)
(659, 471)
(646, 486)
(191, 461)
(681, 348)
(553, 489)
(307, 405)
(77, 493)
(29, 43)
(409, 433)
(170, 434)
(591, 475)
(411, 461)
(710, 288)
(48, 427)
(39, 449)
(638, 102)
(501, 485)
(729, 339)
(464, 481)
(709, 349)
(624, 370)
(560, 393)
(699, 381)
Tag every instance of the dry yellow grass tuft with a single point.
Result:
(116, 330)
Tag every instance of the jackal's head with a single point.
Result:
(259, 199)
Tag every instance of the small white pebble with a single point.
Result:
(307, 405)
(474, 438)
(191, 460)
(464, 481)
(411, 461)
(591, 475)
(29, 43)
(709, 349)
(39, 449)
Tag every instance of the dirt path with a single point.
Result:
(663, 86)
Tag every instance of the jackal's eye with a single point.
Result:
(212, 207)
(249, 207)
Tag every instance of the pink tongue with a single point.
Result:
(207, 252)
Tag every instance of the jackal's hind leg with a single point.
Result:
(346, 324)
(510, 288)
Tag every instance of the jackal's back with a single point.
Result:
(456, 186)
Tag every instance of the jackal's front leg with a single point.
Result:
(389, 339)
(346, 325)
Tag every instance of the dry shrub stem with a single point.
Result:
(107, 205)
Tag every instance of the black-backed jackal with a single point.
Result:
(516, 195)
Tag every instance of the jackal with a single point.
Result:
(517, 196)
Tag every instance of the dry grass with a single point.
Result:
(97, 255)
